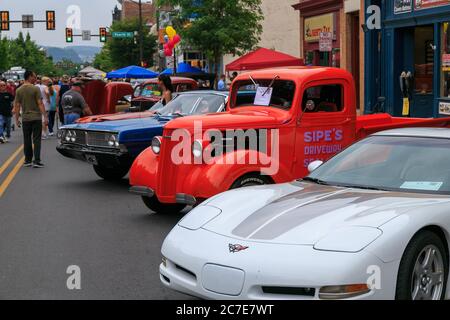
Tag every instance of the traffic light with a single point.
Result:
(50, 19)
(69, 35)
(103, 34)
(4, 20)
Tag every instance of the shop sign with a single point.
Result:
(315, 25)
(426, 4)
(444, 108)
(325, 41)
(446, 62)
(402, 6)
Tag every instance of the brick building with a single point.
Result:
(130, 10)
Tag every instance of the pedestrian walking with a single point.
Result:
(53, 99)
(28, 102)
(45, 95)
(64, 87)
(74, 105)
(222, 84)
(6, 103)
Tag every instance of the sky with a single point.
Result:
(93, 15)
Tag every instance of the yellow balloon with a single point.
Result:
(171, 32)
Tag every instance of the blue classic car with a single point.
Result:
(112, 146)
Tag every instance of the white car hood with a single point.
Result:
(304, 213)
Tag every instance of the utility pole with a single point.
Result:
(141, 38)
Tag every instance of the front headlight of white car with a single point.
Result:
(348, 239)
(199, 217)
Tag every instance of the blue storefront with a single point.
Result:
(407, 60)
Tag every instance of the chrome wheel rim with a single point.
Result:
(428, 275)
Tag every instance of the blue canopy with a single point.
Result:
(183, 68)
(132, 72)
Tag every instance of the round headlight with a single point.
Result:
(112, 142)
(67, 135)
(73, 136)
(197, 149)
(156, 145)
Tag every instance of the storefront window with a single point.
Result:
(424, 59)
(445, 61)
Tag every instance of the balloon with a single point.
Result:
(171, 32)
(176, 39)
(166, 38)
(168, 52)
(170, 45)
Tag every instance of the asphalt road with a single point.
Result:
(65, 215)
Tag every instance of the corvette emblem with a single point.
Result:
(235, 248)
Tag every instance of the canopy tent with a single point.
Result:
(183, 68)
(89, 71)
(263, 58)
(132, 72)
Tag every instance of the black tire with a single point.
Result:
(111, 174)
(154, 205)
(249, 181)
(405, 275)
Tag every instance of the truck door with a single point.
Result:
(326, 123)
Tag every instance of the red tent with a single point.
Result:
(263, 58)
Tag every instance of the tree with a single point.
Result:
(220, 27)
(4, 54)
(117, 53)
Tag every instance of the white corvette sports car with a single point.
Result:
(371, 223)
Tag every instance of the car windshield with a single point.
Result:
(192, 104)
(147, 91)
(266, 93)
(409, 164)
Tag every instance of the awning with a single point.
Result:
(132, 72)
(264, 58)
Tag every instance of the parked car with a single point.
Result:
(302, 115)
(371, 223)
(111, 146)
(107, 98)
(148, 93)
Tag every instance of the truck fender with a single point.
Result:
(144, 171)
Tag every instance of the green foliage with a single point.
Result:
(118, 53)
(24, 52)
(220, 27)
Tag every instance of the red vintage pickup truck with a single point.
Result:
(277, 122)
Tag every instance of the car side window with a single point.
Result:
(184, 87)
(324, 98)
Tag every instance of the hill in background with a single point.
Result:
(76, 54)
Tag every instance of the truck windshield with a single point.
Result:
(392, 163)
(280, 95)
(147, 91)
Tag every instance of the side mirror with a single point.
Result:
(314, 165)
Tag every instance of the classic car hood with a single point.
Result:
(241, 118)
(115, 117)
(304, 213)
(121, 125)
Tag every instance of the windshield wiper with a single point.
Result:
(362, 187)
(315, 180)
(178, 114)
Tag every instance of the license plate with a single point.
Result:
(91, 159)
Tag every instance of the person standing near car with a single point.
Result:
(29, 102)
(6, 102)
(63, 88)
(53, 99)
(165, 85)
(74, 105)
